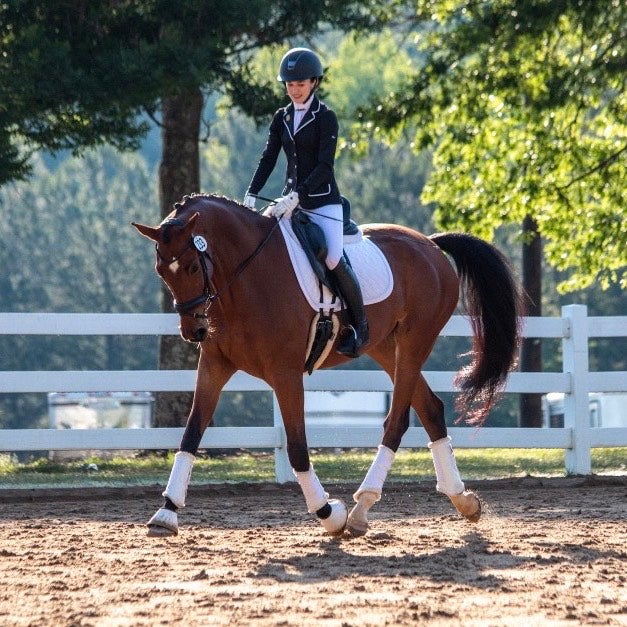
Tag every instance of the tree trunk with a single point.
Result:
(530, 407)
(179, 174)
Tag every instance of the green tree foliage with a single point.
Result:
(73, 76)
(363, 67)
(525, 106)
(230, 155)
(71, 243)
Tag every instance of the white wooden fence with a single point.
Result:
(574, 328)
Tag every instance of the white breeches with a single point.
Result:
(330, 218)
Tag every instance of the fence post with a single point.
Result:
(282, 467)
(576, 404)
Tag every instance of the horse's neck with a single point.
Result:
(234, 235)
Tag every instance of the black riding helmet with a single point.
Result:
(300, 64)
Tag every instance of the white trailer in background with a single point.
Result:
(346, 409)
(98, 410)
(606, 409)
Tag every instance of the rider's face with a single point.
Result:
(299, 91)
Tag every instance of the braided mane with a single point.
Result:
(190, 199)
(187, 202)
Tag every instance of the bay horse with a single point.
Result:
(238, 298)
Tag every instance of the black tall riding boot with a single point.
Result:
(356, 336)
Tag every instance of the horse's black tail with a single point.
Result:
(493, 299)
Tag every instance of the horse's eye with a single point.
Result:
(194, 268)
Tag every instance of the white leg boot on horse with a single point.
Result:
(369, 491)
(331, 512)
(165, 522)
(450, 483)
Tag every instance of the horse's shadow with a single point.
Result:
(475, 563)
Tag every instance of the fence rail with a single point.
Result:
(574, 329)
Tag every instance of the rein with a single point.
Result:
(207, 298)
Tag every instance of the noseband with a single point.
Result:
(199, 244)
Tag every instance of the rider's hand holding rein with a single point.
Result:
(284, 206)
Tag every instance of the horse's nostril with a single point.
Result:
(200, 334)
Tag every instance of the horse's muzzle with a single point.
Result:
(199, 334)
(193, 333)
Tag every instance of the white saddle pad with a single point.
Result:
(368, 262)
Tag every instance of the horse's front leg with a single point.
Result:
(209, 384)
(332, 513)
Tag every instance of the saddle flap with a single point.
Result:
(312, 239)
(366, 259)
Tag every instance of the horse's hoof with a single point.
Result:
(358, 518)
(163, 524)
(155, 531)
(356, 528)
(468, 505)
(335, 523)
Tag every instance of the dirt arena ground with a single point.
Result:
(548, 552)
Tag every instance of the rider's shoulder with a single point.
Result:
(327, 114)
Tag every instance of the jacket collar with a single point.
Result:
(310, 116)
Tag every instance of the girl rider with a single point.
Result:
(307, 131)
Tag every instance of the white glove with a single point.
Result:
(284, 206)
(249, 201)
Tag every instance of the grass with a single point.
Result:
(344, 466)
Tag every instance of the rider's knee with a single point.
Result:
(332, 259)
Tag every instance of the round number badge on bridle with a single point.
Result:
(200, 243)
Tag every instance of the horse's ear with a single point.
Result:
(150, 232)
(190, 223)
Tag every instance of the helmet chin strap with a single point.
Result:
(315, 86)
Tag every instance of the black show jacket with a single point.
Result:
(310, 155)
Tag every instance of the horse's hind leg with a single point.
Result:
(430, 410)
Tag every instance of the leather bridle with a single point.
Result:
(208, 296)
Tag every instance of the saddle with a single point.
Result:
(324, 326)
